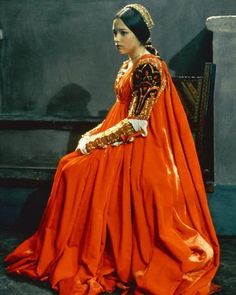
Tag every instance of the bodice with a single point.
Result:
(123, 83)
(122, 86)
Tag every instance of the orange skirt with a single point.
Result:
(133, 216)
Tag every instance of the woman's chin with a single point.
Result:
(121, 50)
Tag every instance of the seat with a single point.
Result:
(196, 94)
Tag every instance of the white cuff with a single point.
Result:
(139, 125)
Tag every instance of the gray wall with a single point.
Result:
(58, 57)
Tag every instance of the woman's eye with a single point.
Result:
(121, 32)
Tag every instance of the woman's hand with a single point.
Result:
(82, 144)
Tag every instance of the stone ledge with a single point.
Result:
(19, 123)
(26, 173)
(221, 23)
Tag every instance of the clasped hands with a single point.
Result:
(138, 125)
(86, 139)
(82, 144)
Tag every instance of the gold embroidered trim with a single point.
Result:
(122, 131)
(148, 83)
(122, 70)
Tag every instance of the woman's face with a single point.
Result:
(125, 40)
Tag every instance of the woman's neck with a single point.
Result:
(138, 53)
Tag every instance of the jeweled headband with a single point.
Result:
(144, 13)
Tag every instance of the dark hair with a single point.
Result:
(134, 21)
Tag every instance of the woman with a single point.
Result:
(128, 207)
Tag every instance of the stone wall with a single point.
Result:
(58, 57)
(58, 62)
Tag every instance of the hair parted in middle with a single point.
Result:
(135, 22)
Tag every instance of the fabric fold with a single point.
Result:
(133, 216)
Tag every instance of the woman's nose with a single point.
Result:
(116, 38)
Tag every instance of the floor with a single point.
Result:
(9, 285)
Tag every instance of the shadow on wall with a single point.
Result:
(190, 60)
(70, 102)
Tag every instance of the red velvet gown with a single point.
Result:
(133, 216)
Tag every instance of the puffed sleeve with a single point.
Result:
(147, 82)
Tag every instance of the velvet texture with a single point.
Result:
(134, 216)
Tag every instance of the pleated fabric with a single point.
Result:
(134, 216)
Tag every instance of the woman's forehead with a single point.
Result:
(119, 24)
